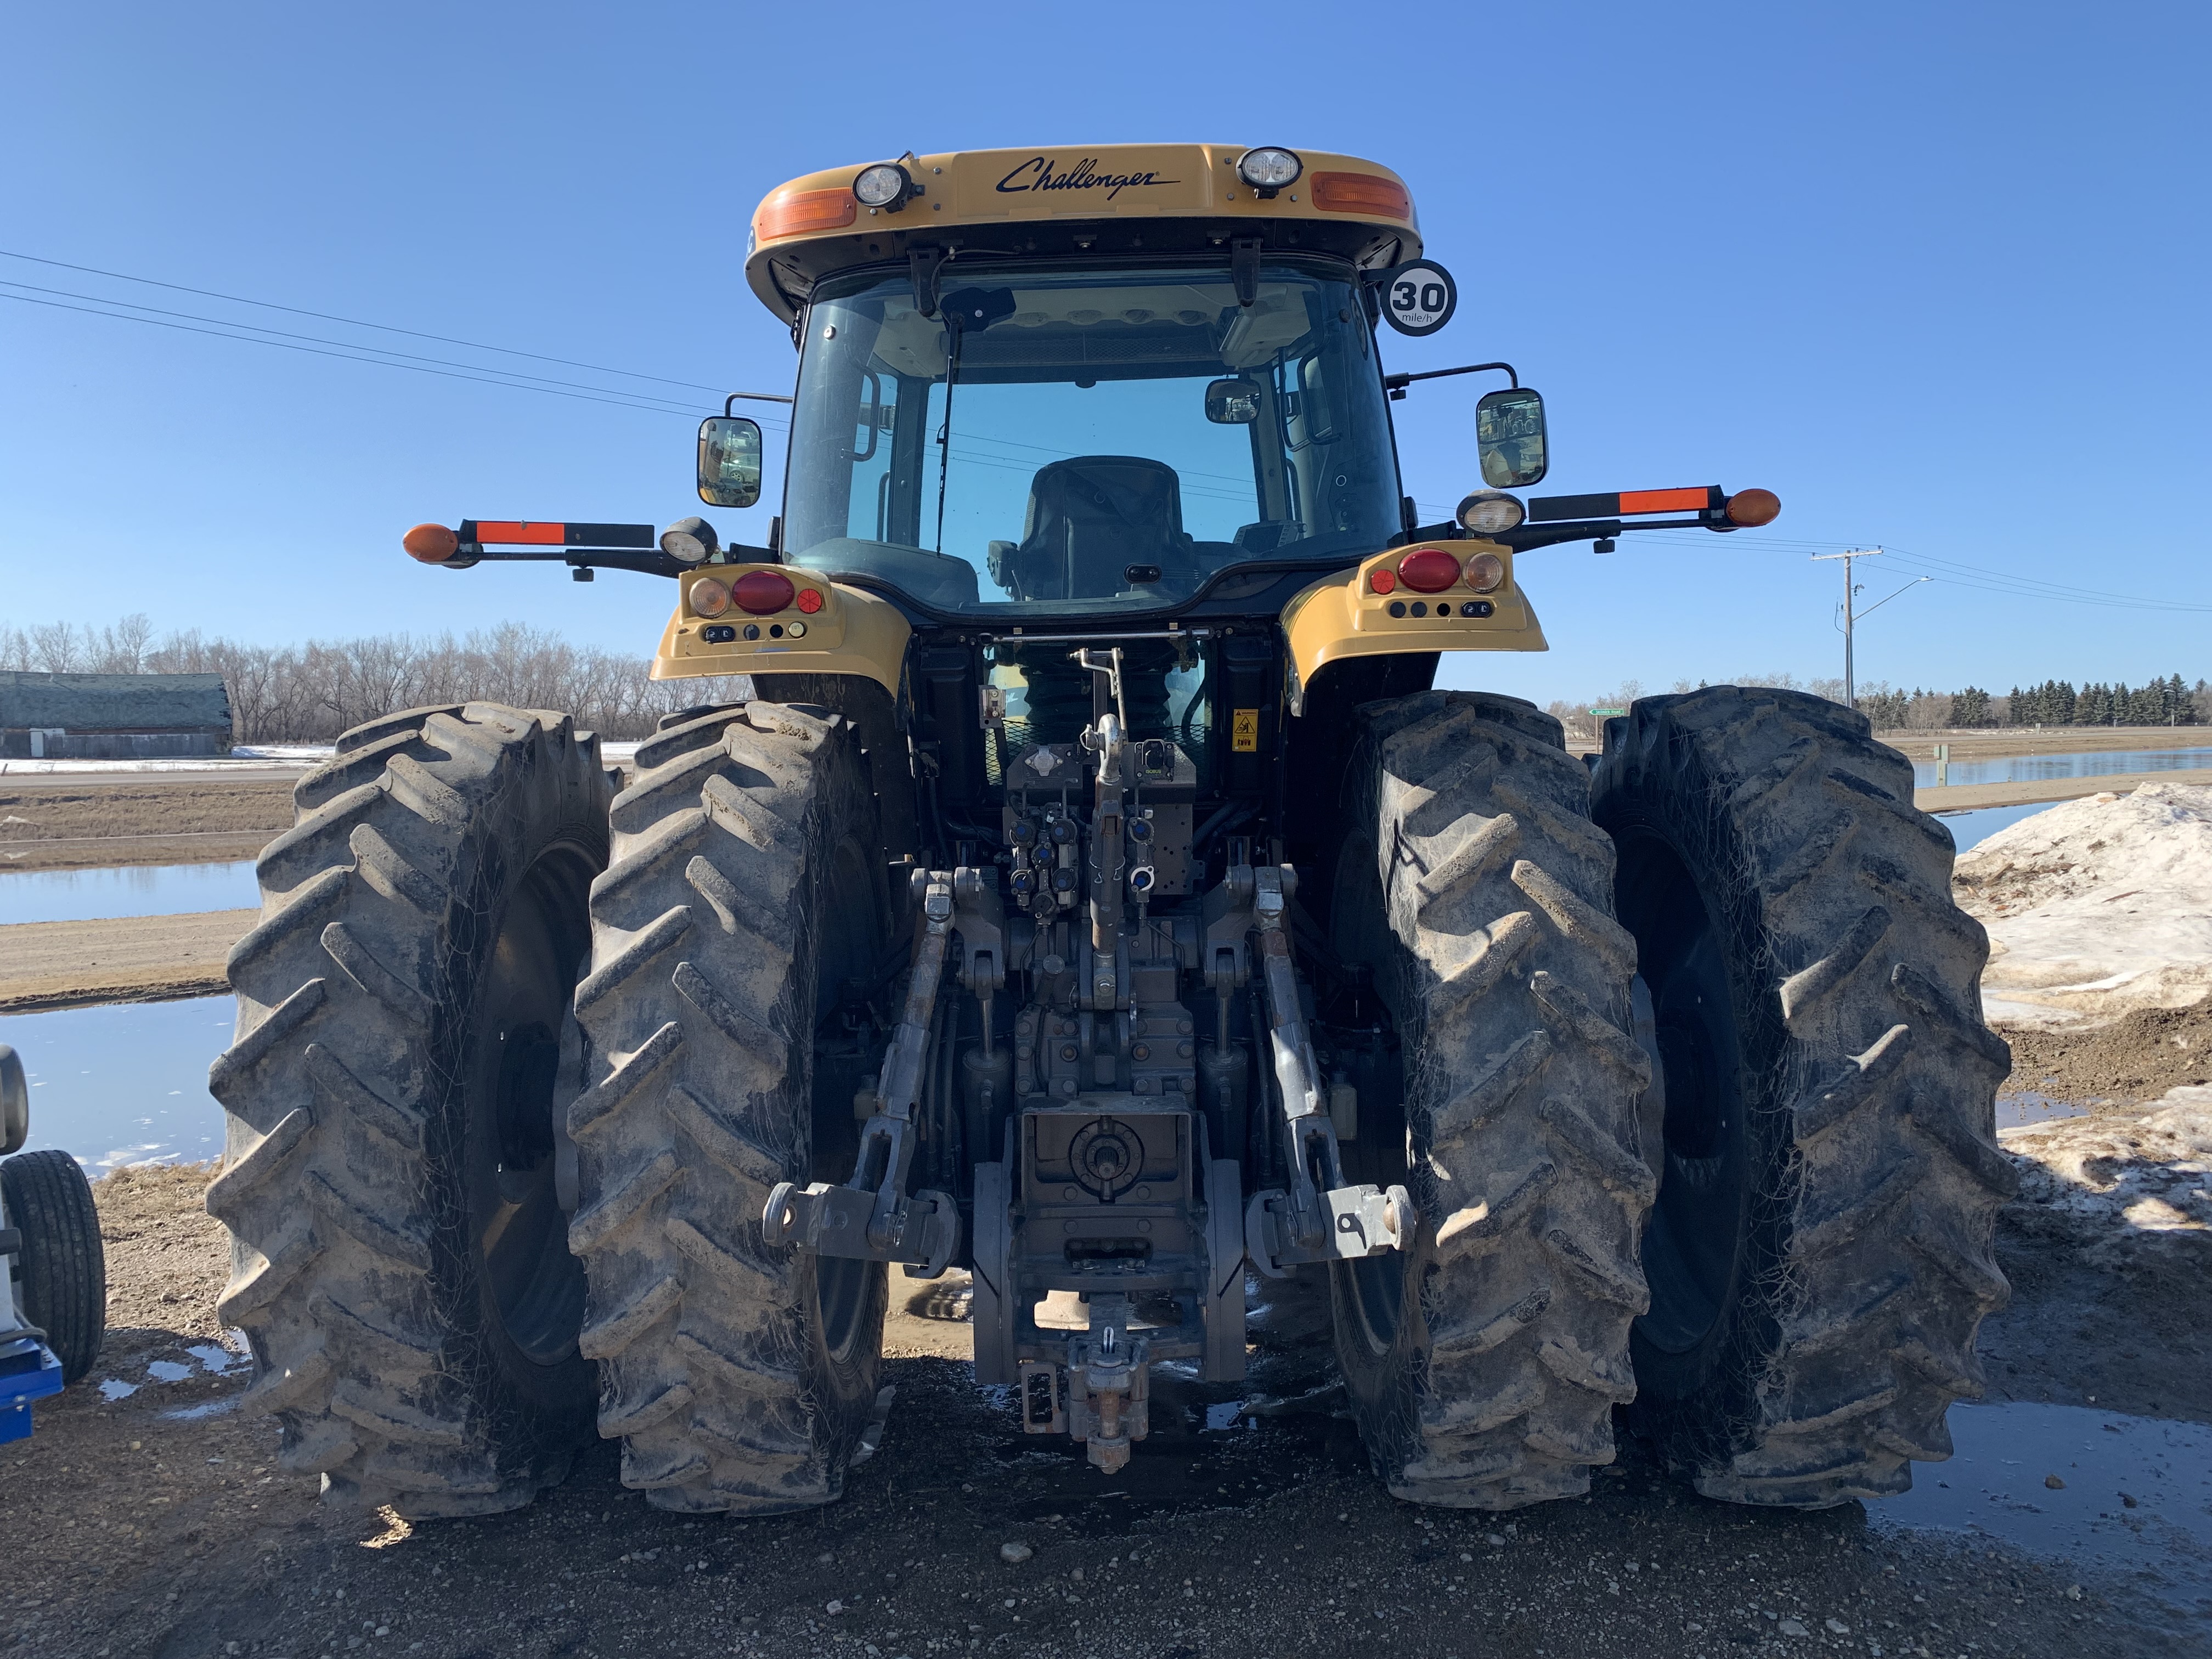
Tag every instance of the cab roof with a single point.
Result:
(1113, 199)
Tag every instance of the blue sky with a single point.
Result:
(1936, 274)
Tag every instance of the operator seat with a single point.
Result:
(1090, 518)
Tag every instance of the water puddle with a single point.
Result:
(2039, 768)
(205, 1408)
(2019, 1110)
(2134, 1494)
(1971, 829)
(125, 1083)
(231, 1359)
(142, 889)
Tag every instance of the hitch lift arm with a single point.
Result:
(870, 1216)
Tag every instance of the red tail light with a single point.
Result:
(761, 591)
(1431, 570)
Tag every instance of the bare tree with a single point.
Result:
(120, 647)
(54, 648)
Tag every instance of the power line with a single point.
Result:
(488, 379)
(354, 322)
(2056, 589)
(1955, 572)
(380, 352)
(616, 396)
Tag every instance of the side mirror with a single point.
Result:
(1509, 435)
(729, 460)
(1232, 403)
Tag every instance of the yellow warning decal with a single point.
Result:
(1244, 731)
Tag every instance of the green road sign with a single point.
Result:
(1608, 711)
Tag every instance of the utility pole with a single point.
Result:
(1852, 615)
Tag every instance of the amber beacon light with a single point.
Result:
(432, 543)
(1749, 509)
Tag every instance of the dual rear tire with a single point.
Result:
(391, 1176)
(1701, 1122)
(484, 1043)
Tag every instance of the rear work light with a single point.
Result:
(1269, 169)
(1431, 570)
(1488, 512)
(710, 596)
(886, 186)
(761, 592)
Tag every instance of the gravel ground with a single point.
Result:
(64, 823)
(74, 964)
(157, 1524)
(2116, 1066)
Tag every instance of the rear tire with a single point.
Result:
(1483, 1364)
(391, 1178)
(746, 897)
(61, 1275)
(1819, 1252)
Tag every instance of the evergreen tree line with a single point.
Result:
(311, 693)
(2162, 702)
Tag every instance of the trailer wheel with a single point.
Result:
(1483, 1364)
(1822, 1124)
(392, 1180)
(738, 937)
(61, 1275)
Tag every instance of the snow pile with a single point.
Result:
(2096, 907)
(2110, 1176)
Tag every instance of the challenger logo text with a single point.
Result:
(1037, 173)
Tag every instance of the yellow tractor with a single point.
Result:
(1087, 890)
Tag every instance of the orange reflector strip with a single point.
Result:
(520, 532)
(791, 212)
(1361, 192)
(1665, 500)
